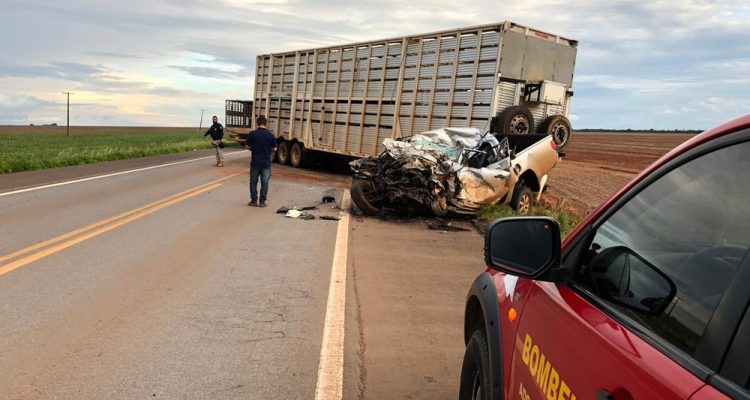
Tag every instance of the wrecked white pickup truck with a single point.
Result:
(454, 170)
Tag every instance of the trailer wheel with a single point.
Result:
(282, 153)
(523, 199)
(515, 120)
(298, 156)
(359, 192)
(558, 126)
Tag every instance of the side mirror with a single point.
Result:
(625, 278)
(523, 246)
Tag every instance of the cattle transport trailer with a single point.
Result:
(346, 99)
(237, 115)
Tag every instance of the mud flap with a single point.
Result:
(542, 184)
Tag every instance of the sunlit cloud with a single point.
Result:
(659, 64)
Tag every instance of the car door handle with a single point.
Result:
(603, 394)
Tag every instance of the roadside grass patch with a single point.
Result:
(567, 219)
(27, 149)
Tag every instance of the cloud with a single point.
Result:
(663, 63)
(15, 109)
(8, 102)
(171, 92)
(208, 72)
(61, 70)
(112, 54)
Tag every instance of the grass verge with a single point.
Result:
(566, 218)
(25, 150)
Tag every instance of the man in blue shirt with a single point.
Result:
(261, 144)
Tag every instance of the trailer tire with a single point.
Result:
(523, 199)
(515, 120)
(298, 156)
(359, 197)
(559, 127)
(282, 153)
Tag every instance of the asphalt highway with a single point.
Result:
(163, 283)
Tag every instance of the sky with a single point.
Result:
(658, 64)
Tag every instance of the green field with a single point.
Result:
(566, 218)
(26, 148)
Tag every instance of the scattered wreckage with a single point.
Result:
(327, 205)
(454, 170)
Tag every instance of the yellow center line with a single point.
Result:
(100, 227)
(100, 223)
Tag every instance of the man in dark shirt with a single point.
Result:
(261, 143)
(217, 133)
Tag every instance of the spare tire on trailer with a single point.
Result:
(514, 120)
(282, 153)
(559, 127)
(359, 192)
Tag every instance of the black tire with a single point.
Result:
(476, 382)
(359, 197)
(523, 199)
(515, 120)
(559, 127)
(298, 155)
(282, 153)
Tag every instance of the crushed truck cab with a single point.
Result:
(645, 299)
(454, 170)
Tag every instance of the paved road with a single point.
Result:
(163, 284)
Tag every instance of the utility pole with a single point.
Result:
(68, 119)
(200, 127)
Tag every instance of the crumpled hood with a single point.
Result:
(432, 166)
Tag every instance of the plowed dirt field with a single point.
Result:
(596, 165)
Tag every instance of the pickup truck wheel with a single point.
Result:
(476, 382)
(298, 155)
(516, 120)
(361, 196)
(558, 126)
(282, 153)
(523, 199)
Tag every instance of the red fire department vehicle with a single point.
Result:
(646, 299)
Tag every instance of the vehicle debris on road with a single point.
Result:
(329, 196)
(456, 170)
(284, 210)
(307, 212)
(445, 226)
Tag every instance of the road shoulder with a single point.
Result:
(27, 179)
(411, 284)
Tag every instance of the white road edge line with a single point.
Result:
(130, 171)
(331, 367)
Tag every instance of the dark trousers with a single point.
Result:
(265, 176)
